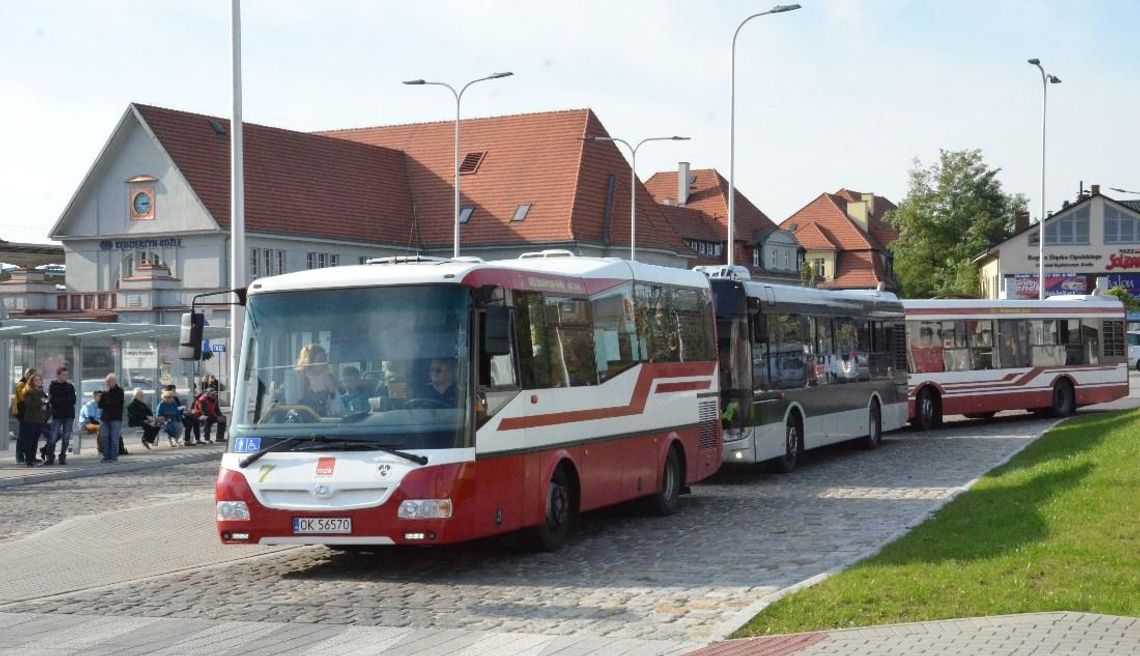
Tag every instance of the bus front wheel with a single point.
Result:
(665, 501)
(1063, 399)
(793, 446)
(927, 413)
(874, 437)
(560, 511)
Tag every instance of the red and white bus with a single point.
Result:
(421, 401)
(979, 357)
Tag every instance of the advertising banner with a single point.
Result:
(1024, 285)
(1130, 281)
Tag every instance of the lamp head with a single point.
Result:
(1035, 61)
(1053, 79)
(779, 9)
(676, 138)
(499, 75)
(414, 82)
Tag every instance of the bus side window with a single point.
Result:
(530, 340)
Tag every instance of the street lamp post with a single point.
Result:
(732, 129)
(458, 97)
(633, 181)
(1046, 80)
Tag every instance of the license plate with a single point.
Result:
(304, 525)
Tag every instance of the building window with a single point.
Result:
(787, 261)
(1119, 228)
(756, 257)
(1071, 229)
(820, 266)
(521, 212)
(317, 260)
(465, 214)
(266, 262)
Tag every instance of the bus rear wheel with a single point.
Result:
(874, 438)
(666, 500)
(793, 446)
(927, 412)
(560, 511)
(1063, 399)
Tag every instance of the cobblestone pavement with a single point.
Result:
(26, 509)
(688, 578)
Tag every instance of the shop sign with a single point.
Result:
(1068, 260)
(1127, 258)
(1129, 281)
(1024, 285)
(133, 244)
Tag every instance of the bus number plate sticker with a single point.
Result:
(321, 525)
(247, 444)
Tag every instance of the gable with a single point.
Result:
(101, 205)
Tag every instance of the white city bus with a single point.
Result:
(802, 368)
(576, 383)
(979, 357)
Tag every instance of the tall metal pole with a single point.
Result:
(633, 182)
(1046, 80)
(729, 246)
(455, 180)
(237, 199)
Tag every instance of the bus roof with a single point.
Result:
(1054, 306)
(592, 273)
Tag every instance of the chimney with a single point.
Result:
(869, 200)
(1020, 221)
(682, 183)
(1095, 189)
(857, 211)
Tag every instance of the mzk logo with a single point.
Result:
(326, 466)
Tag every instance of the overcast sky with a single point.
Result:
(842, 93)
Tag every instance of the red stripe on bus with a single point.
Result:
(665, 388)
(636, 405)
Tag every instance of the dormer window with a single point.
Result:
(471, 162)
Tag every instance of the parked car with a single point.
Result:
(1134, 348)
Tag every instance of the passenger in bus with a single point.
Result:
(318, 389)
(442, 382)
(355, 397)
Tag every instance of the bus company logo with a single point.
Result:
(325, 466)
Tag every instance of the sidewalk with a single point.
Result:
(1057, 633)
(86, 463)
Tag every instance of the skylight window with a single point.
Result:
(465, 214)
(520, 212)
(471, 162)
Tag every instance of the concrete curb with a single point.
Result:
(40, 475)
(744, 616)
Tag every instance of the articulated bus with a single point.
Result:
(801, 368)
(978, 357)
(423, 401)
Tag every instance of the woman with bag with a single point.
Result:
(170, 412)
(33, 418)
(18, 405)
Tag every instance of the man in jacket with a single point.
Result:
(61, 396)
(111, 424)
(207, 410)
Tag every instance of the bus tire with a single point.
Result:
(667, 499)
(927, 410)
(874, 438)
(793, 446)
(561, 509)
(1064, 401)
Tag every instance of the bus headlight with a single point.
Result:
(233, 511)
(425, 509)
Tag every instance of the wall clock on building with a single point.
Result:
(142, 204)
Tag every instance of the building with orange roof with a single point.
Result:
(698, 212)
(845, 239)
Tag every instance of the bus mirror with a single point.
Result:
(497, 331)
(190, 336)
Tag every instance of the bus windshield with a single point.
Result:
(384, 365)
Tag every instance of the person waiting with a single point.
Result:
(442, 382)
(139, 415)
(207, 411)
(355, 397)
(170, 412)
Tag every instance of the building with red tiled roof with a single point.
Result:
(698, 212)
(845, 239)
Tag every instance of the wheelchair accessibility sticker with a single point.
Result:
(247, 444)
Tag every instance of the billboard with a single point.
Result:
(1130, 281)
(1024, 285)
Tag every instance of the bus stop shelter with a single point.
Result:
(143, 356)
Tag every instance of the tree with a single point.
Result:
(1125, 296)
(809, 274)
(953, 211)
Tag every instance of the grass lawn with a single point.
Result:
(1056, 528)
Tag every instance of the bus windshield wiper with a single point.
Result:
(277, 446)
(324, 443)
